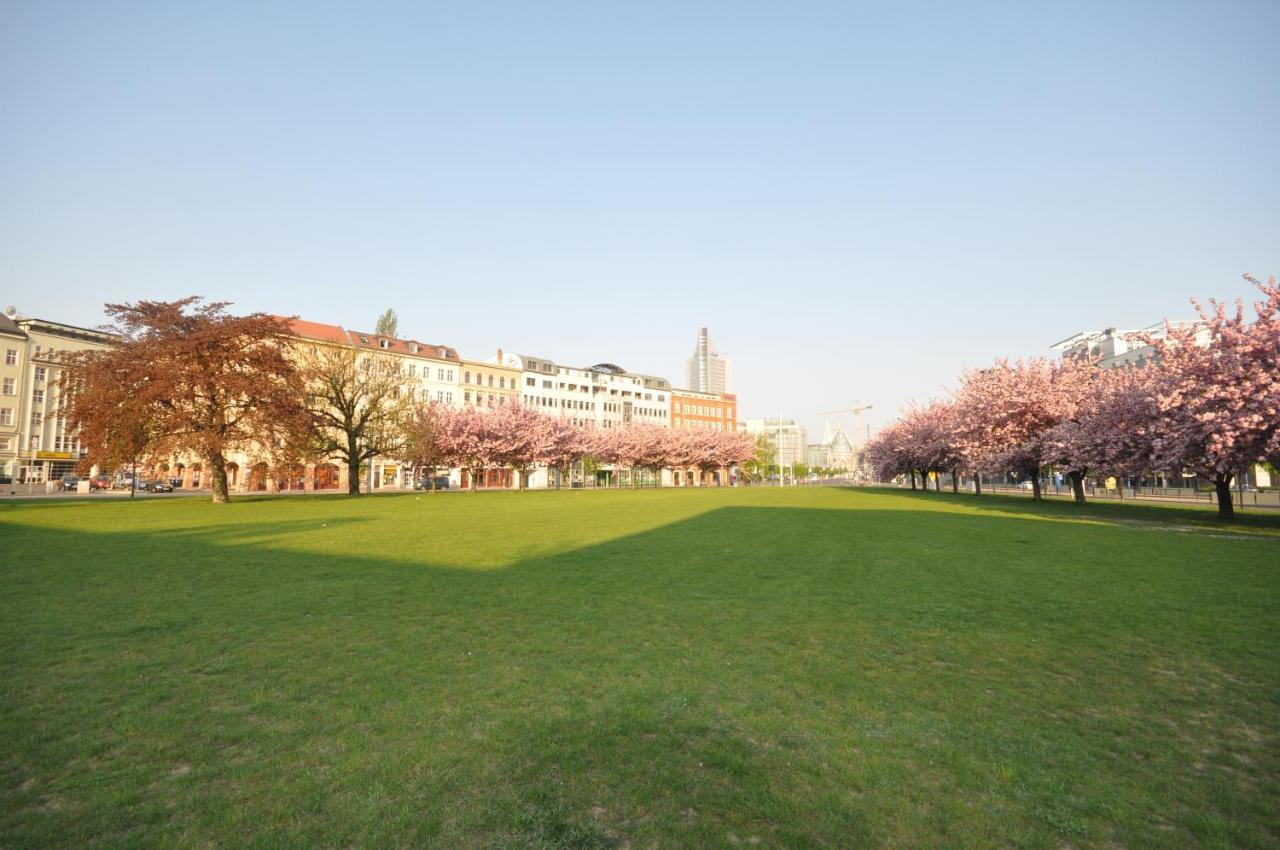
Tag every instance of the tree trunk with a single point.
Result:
(219, 478)
(1035, 485)
(955, 480)
(1222, 485)
(977, 483)
(353, 476)
(1077, 485)
(937, 483)
(912, 473)
(474, 476)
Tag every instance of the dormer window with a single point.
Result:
(383, 343)
(364, 339)
(413, 346)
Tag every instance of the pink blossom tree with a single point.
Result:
(470, 440)
(887, 456)
(423, 443)
(525, 438)
(732, 449)
(1005, 412)
(569, 444)
(1219, 403)
(1111, 430)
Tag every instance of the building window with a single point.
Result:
(466, 397)
(9, 388)
(501, 382)
(6, 415)
(466, 377)
(4, 444)
(40, 373)
(530, 382)
(37, 396)
(11, 357)
(37, 418)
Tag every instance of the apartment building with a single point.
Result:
(487, 384)
(602, 396)
(692, 410)
(36, 443)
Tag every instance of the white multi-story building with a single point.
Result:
(602, 396)
(708, 370)
(1115, 348)
(787, 436)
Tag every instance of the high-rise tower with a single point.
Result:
(709, 370)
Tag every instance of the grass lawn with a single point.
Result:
(702, 668)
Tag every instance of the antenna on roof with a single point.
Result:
(11, 311)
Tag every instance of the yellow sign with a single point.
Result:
(54, 455)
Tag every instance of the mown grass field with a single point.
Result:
(676, 669)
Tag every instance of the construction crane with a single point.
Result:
(856, 410)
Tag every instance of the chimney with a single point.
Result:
(499, 356)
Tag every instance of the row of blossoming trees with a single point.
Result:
(1210, 409)
(513, 436)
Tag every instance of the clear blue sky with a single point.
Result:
(858, 199)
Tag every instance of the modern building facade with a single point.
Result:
(600, 396)
(786, 435)
(708, 370)
(1114, 348)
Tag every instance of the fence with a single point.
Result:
(1244, 498)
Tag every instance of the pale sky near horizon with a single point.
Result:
(858, 199)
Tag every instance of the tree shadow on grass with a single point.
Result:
(796, 676)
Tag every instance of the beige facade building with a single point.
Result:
(36, 444)
(487, 384)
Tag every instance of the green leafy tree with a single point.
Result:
(388, 324)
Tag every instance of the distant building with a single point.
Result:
(787, 436)
(836, 453)
(818, 455)
(709, 371)
(692, 411)
(843, 454)
(1115, 348)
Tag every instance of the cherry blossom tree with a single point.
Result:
(1219, 403)
(424, 444)
(568, 445)
(885, 455)
(470, 440)
(1111, 430)
(1005, 412)
(525, 438)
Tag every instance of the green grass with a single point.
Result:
(709, 668)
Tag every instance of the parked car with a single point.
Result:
(176, 482)
(6, 479)
(100, 482)
(159, 485)
(1026, 485)
(70, 483)
(441, 483)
